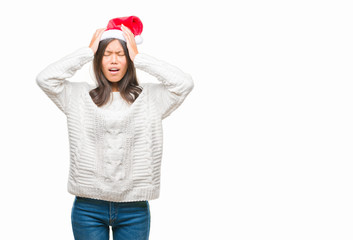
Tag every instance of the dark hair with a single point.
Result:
(128, 86)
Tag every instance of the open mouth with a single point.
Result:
(114, 70)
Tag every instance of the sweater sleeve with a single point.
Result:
(53, 79)
(174, 84)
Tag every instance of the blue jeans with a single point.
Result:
(91, 219)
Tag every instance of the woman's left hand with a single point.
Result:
(130, 42)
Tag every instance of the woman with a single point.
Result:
(115, 130)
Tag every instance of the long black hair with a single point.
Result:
(128, 86)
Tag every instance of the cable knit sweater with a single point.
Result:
(115, 155)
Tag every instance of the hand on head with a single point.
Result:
(130, 42)
(96, 38)
(128, 35)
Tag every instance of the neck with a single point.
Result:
(115, 87)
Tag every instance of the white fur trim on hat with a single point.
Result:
(114, 33)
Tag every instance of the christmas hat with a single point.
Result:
(114, 28)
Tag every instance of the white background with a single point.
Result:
(260, 149)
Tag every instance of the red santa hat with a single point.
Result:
(114, 28)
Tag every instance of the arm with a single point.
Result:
(175, 84)
(52, 80)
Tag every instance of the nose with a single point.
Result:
(114, 59)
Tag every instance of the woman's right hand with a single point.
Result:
(96, 38)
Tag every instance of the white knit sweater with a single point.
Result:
(115, 156)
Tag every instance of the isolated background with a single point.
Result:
(261, 149)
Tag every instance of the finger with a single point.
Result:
(98, 33)
(127, 37)
(125, 33)
(96, 38)
(128, 32)
(101, 31)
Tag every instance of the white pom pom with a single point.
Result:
(138, 39)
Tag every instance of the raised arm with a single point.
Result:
(53, 79)
(174, 85)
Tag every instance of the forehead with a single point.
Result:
(114, 46)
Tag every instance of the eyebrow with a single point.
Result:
(107, 51)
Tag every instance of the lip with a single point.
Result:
(114, 72)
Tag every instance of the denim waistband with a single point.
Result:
(99, 201)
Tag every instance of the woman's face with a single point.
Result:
(114, 64)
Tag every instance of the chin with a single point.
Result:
(114, 80)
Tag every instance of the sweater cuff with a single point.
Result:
(90, 50)
(86, 54)
(142, 59)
